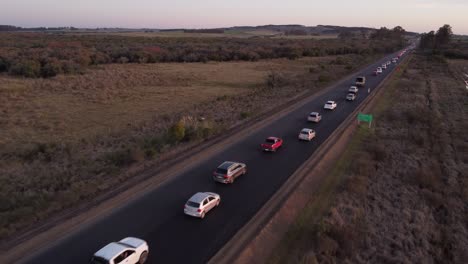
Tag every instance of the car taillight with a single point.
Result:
(199, 210)
(225, 176)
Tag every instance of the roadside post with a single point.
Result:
(365, 118)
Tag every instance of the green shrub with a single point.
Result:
(4, 64)
(51, 69)
(244, 115)
(323, 78)
(26, 68)
(125, 157)
(177, 132)
(275, 79)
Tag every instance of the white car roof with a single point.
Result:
(353, 87)
(314, 113)
(110, 251)
(132, 242)
(198, 197)
(330, 102)
(115, 248)
(306, 130)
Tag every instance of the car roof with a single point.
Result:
(314, 113)
(351, 94)
(198, 197)
(132, 242)
(307, 129)
(272, 138)
(226, 165)
(330, 102)
(110, 250)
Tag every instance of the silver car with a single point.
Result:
(201, 203)
(228, 171)
(350, 97)
(314, 117)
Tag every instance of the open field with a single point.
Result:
(66, 139)
(404, 183)
(226, 34)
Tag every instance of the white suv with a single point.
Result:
(314, 117)
(228, 171)
(330, 105)
(306, 134)
(129, 250)
(353, 89)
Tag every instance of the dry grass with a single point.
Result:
(111, 97)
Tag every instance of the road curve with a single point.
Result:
(158, 218)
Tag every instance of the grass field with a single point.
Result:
(228, 33)
(110, 97)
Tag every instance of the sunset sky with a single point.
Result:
(413, 15)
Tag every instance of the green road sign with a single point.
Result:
(365, 118)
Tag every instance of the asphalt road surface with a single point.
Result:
(176, 238)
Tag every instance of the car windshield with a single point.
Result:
(313, 115)
(269, 140)
(193, 204)
(305, 132)
(98, 260)
(221, 171)
(360, 80)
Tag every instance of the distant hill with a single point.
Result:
(293, 29)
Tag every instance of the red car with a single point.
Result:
(272, 144)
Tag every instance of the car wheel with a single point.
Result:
(143, 257)
(202, 215)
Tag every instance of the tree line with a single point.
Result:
(436, 40)
(46, 55)
(443, 42)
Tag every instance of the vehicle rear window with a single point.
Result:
(360, 79)
(193, 204)
(221, 171)
(304, 132)
(98, 260)
(269, 140)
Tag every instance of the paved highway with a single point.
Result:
(158, 216)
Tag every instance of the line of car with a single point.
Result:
(133, 250)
